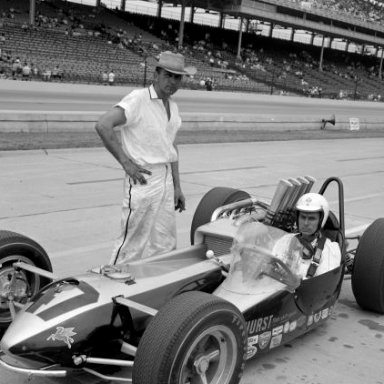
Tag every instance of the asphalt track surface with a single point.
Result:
(69, 201)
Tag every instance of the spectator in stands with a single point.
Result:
(209, 84)
(26, 72)
(111, 77)
(104, 78)
(34, 71)
(3, 74)
(24, 27)
(57, 73)
(16, 68)
(148, 120)
(47, 74)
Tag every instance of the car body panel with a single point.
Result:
(73, 320)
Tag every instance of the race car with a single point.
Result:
(193, 315)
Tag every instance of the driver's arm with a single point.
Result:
(286, 251)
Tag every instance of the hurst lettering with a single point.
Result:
(259, 325)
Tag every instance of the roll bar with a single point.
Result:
(340, 197)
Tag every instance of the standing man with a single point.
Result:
(149, 120)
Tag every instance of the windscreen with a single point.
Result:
(262, 256)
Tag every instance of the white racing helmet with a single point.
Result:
(314, 202)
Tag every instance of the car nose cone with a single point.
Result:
(22, 329)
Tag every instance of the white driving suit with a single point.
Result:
(148, 223)
(330, 256)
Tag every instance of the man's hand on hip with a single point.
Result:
(135, 171)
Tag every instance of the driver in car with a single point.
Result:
(309, 253)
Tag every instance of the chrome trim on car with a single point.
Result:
(235, 208)
(128, 349)
(133, 304)
(105, 377)
(36, 270)
(101, 360)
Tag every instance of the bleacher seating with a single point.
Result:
(85, 41)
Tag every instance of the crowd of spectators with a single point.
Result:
(216, 60)
(25, 70)
(69, 20)
(364, 10)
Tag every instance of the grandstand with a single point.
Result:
(83, 41)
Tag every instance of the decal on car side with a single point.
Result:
(276, 341)
(264, 339)
(259, 325)
(63, 334)
(292, 326)
(325, 313)
(282, 318)
(317, 317)
(277, 331)
(252, 349)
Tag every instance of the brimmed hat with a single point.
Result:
(174, 63)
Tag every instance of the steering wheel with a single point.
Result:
(279, 270)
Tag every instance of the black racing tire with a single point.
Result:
(213, 199)
(15, 247)
(368, 269)
(194, 335)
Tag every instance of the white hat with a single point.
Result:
(174, 63)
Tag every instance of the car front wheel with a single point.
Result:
(17, 286)
(195, 338)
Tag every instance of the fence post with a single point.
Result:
(145, 71)
(355, 92)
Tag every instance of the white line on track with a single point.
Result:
(354, 231)
(359, 198)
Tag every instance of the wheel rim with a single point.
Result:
(15, 287)
(211, 359)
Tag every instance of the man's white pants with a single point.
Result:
(148, 223)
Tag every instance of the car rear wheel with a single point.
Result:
(195, 338)
(213, 199)
(368, 268)
(16, 287)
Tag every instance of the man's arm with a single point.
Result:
(179, 196)
(105, 128)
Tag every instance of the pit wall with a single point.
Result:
(85, 122)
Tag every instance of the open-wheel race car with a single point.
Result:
(194, 315)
